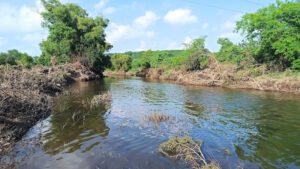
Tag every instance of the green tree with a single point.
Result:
(73, 36)
(146, 57)
(27, 60)
(198, 55)
(275, 31)
(230, 52)
(121, 62)
(13, 56)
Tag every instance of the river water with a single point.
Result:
(260, 129)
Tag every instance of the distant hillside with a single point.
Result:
(135, 55)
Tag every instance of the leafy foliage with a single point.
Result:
(198, 55)
(73, 36)
(233, 53)
(296, 64)
(121, 62)
(27, 60)
(13, 56)
(275, 33)
(157, 59)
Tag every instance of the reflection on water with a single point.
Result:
(260, 129)
(71, 126)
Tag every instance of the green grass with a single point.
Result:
(286, 73)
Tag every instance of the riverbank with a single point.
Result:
(26, 96)
(215, 74)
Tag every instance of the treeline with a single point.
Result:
(14, 57)
(272, 37)
(195, 57)
(150, 59)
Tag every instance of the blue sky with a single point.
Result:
(134, 25)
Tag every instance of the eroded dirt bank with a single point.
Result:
(221, 75)
(26, 96)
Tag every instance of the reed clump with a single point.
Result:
(157, 117)
(104, 98)
(188, 150)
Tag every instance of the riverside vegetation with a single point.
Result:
(267, 59)
(74, 50)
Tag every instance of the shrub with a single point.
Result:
(296, 64)
(27, 60)
(232, 53)
(198, 55)
(121, 62)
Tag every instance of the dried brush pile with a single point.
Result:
(187, 150)
(104, 98)
(26, 96)
(19, 110)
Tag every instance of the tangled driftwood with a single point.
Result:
(187, 150)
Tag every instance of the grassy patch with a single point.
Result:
(286, 73)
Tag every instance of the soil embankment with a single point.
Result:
(216, 74)
(26, 96)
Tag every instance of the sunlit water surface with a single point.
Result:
(260, 129)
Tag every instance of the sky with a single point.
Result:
(134, 25)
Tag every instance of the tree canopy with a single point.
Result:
(275, 30)
(198, 54)
(73, 36)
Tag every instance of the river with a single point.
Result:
(260, 129)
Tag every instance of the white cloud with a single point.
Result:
(173, 46)
(205, 25)
(146, 20)
(118, 31)
(109, 10)
(69, 1)
(142, 46)
(24, 19)
(238, 16)
(34, 38)
(228, 25)
(234, 37)
(101, 4)
(180, 16)
(150, 34)
(138, 28)
(2, 41)
(187, 40)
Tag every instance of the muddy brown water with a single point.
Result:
(260, 129)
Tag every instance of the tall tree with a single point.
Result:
(73, 36)
(276, 32)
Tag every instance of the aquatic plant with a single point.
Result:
(104, 98)
(226, 151)
(157, 117)
(188, 150)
